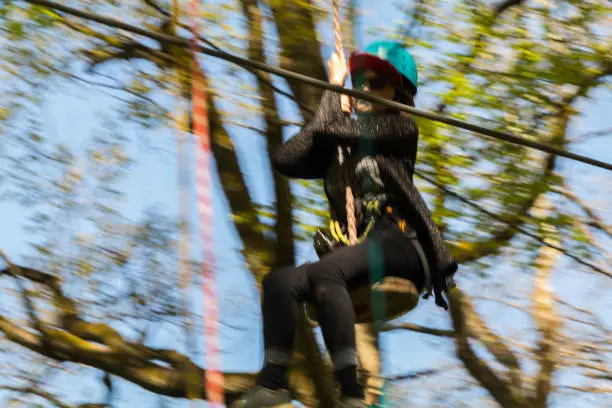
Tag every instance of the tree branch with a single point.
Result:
(257, 247)
(505, 5)
(153, 4)
(595, 220)
(17, 273)
(544, 314)
(592, 135)
(415, 374)
(300, 48)
(14, 271)
(496, 346)
(36, 390)
(232, 181)
(478, 43)
(39, 392)
(102, 347)
(283, 227)
(493, 244)
(461, 313)
(477, 330)
(515, 227)
(419, 329)
(370, 363)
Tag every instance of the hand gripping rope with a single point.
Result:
(346, 108)
(214, 377)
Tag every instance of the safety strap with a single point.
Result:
(372, 209)
(425, 263)
(411, 233)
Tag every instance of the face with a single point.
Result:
(374, 84)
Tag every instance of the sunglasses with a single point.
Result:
(374, 82)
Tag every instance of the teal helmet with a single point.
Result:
(389, 57)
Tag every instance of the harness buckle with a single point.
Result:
(324, 243)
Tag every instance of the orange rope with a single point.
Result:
(346, 108)
(345, 99)
(214, 377)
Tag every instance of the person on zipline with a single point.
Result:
(379, 149)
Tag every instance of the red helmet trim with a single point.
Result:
(363, 60)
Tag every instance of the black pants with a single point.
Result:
(325, 284)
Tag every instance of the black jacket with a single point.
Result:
(392, 140)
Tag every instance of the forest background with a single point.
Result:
(103, 306)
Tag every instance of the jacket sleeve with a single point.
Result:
(303, 156)
(388, 132)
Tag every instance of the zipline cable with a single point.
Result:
(508, 137)
(516, 228)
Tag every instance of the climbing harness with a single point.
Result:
(201, 131)
(372, 211)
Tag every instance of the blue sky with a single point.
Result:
(153, 181)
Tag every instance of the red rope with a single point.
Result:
(213, 381)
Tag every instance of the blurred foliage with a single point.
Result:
(516, 66)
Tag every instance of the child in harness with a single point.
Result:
(379, 150)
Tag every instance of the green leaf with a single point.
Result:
(15, 29)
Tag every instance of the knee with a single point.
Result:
(323, 275)
(326, 282)
(325, 291)
(283, 282)
(276, 281)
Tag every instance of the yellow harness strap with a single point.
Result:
(372, 208)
